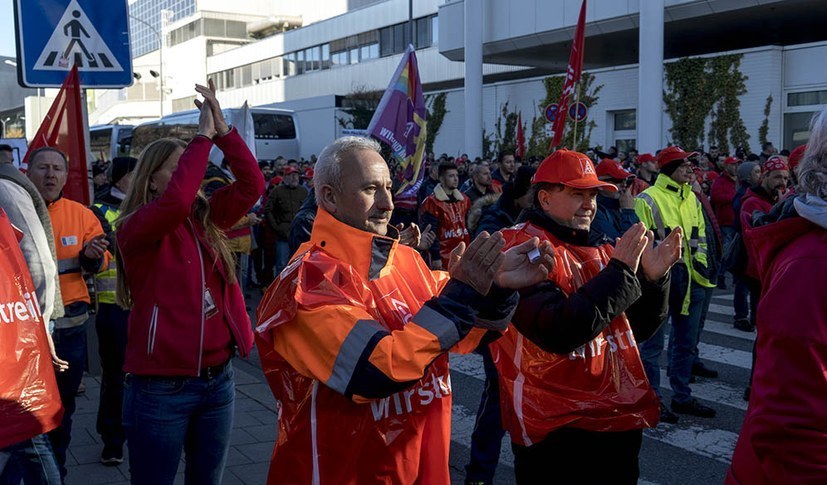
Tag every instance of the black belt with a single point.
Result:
(214, 371)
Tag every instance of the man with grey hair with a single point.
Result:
(354, 335)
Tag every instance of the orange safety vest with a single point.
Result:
(599, 387)
(74, 225)
(343, 285)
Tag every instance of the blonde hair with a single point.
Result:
(140, 193)
(812, 172)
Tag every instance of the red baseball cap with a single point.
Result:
(731, 161)
(572, 169)
(710, 176)
(797, 155)
(308, 173)
(775, 162)
(671, 154)
(609, 167)
(289, 169)
(275, 180)
(645, 157)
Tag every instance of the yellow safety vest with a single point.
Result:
(106, 280)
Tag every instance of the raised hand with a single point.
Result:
(209, 96)
(518, 271)
(656, 261)
(630, 246)
(478, 265)
(206, 121)
(95, 248)
(409, 236)
(426, 239)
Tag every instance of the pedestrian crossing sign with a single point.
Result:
(54, 35)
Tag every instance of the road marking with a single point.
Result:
(714, 443)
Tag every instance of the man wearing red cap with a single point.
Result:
(572, 385)
(647, 168)
(664, 207)
(283, 203)
(615, 208)
(722, 194)
(771, 187)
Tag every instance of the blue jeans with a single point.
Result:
(704, 310)
(282, 256)
(164, 415)
(70, 345)
(683, 338)
(488, 429)
(31, 460)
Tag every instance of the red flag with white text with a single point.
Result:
(62, 128)
(573, 72)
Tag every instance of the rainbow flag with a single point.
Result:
(400, 121)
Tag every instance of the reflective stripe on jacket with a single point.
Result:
(74, 226)
(353, 339)
(667, 205)
(106, 280)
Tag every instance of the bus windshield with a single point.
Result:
(273, 127)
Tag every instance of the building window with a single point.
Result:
(354, 56)
(807, 98)
(625, 120)
(435, 30)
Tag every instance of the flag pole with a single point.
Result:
(576, 117)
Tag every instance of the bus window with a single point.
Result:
(143, 135)
(124, 141)
(100, 143)
(274, 127)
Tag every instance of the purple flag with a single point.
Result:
(400, 121)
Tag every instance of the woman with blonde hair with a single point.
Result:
(188, 318)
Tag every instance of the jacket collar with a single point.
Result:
(665, 183)
(443, 195)
(577, 237)
(371, 255)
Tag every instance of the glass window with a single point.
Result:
(326, 56)
(265, 69)
(386, 41)
(807, 98)
(625, 145)
(399, 43)
(236, 30)
(422, 32)
(435, 30)
(354, 56)
(214, 28)
(299, 62)
(364, 52)
(289, 64)
(797, 129)
(273, 127)
(247, 75)
(373, 51)
(625, 120)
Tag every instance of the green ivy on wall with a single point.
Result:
(698, 89)
(764, 129)
(506, 130)
(538, 141)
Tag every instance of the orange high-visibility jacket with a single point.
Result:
(353, 339)
(74, 225)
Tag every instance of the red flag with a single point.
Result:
(63, 129)
(520, 150)
(572, 77)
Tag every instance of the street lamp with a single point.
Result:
(166, 15)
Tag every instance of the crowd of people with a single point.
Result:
(565, 273)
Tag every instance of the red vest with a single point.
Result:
(599, 387)
(452, 229)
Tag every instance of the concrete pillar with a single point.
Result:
(650, 77)
(473, 78)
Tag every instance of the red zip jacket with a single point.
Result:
(168, 262)
(722, 194)
(756, 199)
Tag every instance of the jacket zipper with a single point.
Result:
(153, 329)
(203, 288)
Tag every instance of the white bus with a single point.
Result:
(109, 141)
(276, 131)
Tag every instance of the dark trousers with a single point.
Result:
(488, 429)
(111, 325)
(576, 456)
(70, 345)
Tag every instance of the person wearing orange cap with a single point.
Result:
(615, 208)
(666, 206)
(573, 388)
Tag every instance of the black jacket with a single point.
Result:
(560, 324)
(302, 224)
(498, 216)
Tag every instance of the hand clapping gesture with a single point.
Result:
(211, 121)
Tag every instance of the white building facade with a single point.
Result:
(268, 52)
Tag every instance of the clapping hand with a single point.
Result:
(518, 271)
(656, 261)
(409, 236)
(219, 124)
(630, 246)
(478, 265)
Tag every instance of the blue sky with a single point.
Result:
(7, 41)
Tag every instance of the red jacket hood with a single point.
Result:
(765, 242)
